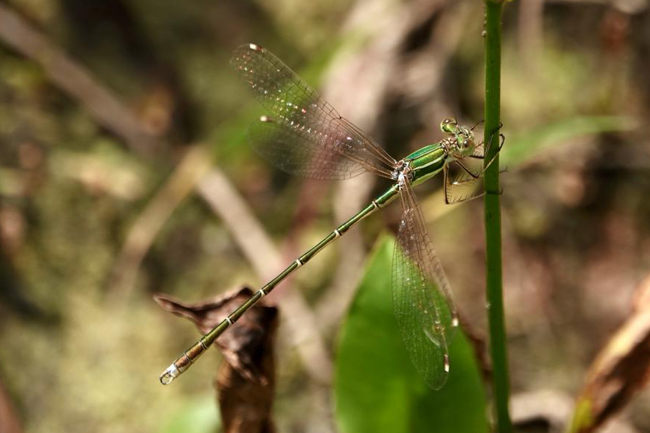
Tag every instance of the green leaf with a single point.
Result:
(378, 390)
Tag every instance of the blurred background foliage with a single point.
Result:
(124, 172)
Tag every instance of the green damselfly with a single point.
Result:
(304, 135)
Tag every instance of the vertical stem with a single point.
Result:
(494, 283)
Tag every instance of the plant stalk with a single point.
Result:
(494, 279)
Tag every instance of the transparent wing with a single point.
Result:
(422, 301)
(286, 149)
(301, 114)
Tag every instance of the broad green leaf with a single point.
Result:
(378, 390)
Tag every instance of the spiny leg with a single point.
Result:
(482, 157)
(468, 171)
(468, 183)
(487, 149)
(470, 179)
(445, 173)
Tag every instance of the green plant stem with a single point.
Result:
(494, 281)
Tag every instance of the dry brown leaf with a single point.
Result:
(246, 381)
(620, 370)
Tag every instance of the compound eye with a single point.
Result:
(448, 125)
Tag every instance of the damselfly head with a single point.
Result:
(462, 142)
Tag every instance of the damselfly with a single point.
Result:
(304, 135)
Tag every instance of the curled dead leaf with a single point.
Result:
(246, 381)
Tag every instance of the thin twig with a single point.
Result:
(75, 80)
(192, 167)
(228, 204)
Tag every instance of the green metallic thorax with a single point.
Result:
(427, 162)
